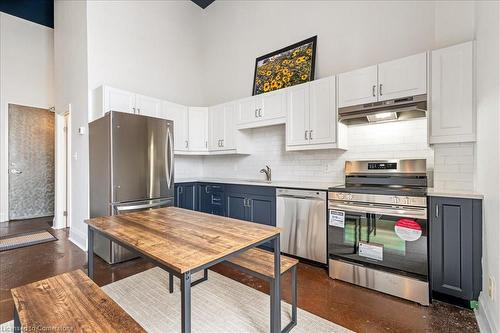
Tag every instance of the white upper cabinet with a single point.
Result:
(322, 113)
(179, 115)
(389, 80)
(358, 86)
(402, 77)
(222, 127)
(297, 124)
(198, 129)
(262, 110)
(452, 114)
(117, 100)
(312, 120)
(147, 106)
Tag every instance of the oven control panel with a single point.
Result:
(380, 199)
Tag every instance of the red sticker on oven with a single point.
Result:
(408, 230)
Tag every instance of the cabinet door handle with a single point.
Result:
(437, 210)
(373, 90)
(206, 189)
(380, 89)
(206, 144)
(222, 143)
(305, 134)
(260, 112)
(133, 110)
(187, 144)
(256, 115)
(181, 189)
(310, 134)
(138, 111)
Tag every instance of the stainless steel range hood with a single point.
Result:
(391, 110)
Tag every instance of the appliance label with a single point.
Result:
(408, 230)
(371, 250)
(337, 218)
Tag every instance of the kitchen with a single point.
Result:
(415, 112)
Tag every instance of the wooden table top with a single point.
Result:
(70, 302)
(182, 239)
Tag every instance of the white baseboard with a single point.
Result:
(78, 238)
(484, 316)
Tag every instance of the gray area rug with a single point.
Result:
(26, 239)
(218, 305)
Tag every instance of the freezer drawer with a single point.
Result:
(302, 216)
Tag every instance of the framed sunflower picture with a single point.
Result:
(287, 67)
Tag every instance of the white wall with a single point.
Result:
(148, 47)
(488, 150)
(26, 78)
(71, 81)
(351, 34)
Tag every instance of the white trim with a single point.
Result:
(78, 239)
(485, 319)
(60, 172)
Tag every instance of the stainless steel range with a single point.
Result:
(377, 229)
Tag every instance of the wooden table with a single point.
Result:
(183, 242)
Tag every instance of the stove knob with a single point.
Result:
(349, 196)
(340, 196)
(395, 200)
(407, 201)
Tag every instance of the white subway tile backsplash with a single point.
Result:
(453, 164)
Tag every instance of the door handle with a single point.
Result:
(255, 113)
(305, 134)
(310, 134)
(15, 171)
(373, 90)
(260, 112)
(169, 155)
(222, 143)
(380, 89)
(186, 143)
(437, 210)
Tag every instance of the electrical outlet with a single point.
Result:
(491, 287)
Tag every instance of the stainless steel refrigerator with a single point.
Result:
(131, 169)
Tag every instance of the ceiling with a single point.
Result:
(203, 3)
(38, 11)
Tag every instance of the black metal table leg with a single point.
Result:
(294, 295)
(170, 283)
(17, 322)
(186, 302)
(90, 253)
(275, 289)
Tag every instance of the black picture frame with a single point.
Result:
(297, 45)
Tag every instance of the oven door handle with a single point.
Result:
(416, 213)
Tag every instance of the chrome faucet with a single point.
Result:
(267, 171)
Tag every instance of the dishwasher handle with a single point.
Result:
(302, 197)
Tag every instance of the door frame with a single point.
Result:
(63, 171)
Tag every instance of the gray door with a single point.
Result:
(31, 162)
(142, 157)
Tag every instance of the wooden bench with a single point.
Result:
(69, 302)
(260, 263)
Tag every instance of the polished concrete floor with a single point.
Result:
(356, 308)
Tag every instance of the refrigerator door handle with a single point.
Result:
(120, 209)
(169, 153)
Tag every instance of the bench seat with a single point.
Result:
(69, 302)
(262, 262)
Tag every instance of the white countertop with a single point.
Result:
(275, 183)
(453, 194)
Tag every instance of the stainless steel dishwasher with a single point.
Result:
(302, 216)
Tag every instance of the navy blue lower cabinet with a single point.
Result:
(252, 203)
(236, 206)
(211, 198)
(185, 196)
(262, 209)
(455, 247)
